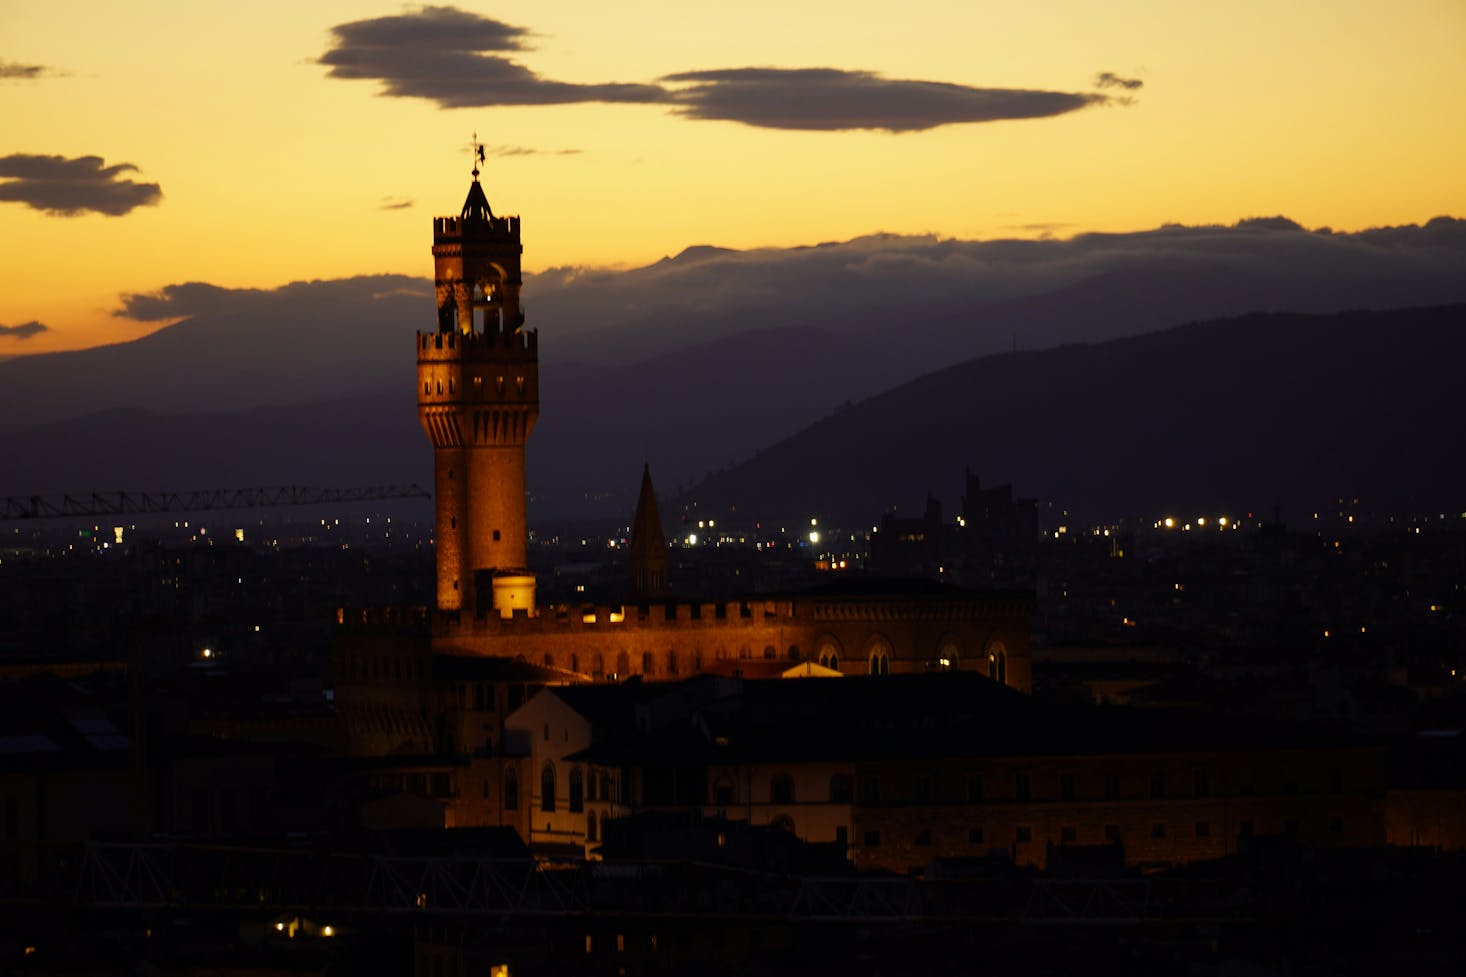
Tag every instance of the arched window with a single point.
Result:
(646, 663)
(948, 657)
(547, 787)
(842, 789)
(829, 653)
(549, 660)
(998, 662)
(878, 656)
(511, 789)
(672, 662)
(577, 790)
(794, 653)
(781, 789)
(590, 826)
(590, 787)
(623, 665)
(723, 793)
(771, 652)
(605, 786)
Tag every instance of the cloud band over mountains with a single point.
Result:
(71, 187)
(185, 299)
(23, 331)
(458, 59)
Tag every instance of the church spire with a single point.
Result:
(648, 546)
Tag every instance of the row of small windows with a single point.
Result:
(670, 662)
(581, 789)
(478, 384)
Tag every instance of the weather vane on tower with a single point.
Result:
(478, 155)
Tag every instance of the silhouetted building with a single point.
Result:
(648, 547)
(914, 547)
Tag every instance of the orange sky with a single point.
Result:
(1341, 113)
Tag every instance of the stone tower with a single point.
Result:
(648, 548)
(478, 377)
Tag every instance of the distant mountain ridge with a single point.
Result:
(1253, 411)
(1249, 411)
(690, 363)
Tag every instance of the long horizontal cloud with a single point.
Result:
(830, 98)
(11, 71)
(965, 298)
(201, 298)
(68, 187)
(457, 59)
(23, 331)
(442, 54)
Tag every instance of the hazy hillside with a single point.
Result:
(688, 412)
(303, 342)
(690, 363)
(912, 303)
(1238, 412)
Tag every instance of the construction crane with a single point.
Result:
(143, 503)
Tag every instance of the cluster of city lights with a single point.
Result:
(1219, 523)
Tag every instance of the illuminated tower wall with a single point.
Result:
(478, 383)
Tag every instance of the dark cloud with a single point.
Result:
(23, 331)
(983, 293)
(203, 299)
(1278, 223)
(439, 53)
(396, 203)
(458, 59)
(431, 29)
(69, 187)
(831, 99)
(10, 71)
(528, 151)
(1108, 79)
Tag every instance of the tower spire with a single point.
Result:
(648, 547)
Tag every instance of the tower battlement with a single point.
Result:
(502, 344)
(448, 230)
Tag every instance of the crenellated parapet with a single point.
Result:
(450, 230)
(448, 347)
(621, 619)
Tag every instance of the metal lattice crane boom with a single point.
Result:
(143, 503)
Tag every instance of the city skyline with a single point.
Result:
(314, 143)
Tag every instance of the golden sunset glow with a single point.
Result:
(1345, 114)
